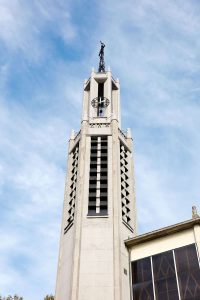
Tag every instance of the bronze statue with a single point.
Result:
(101, 57)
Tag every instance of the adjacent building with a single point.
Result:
(165, 263)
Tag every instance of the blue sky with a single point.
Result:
(47, 49)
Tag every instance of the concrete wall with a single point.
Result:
(166, 243)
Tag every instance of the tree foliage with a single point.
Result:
(48, 297)
(15, 297)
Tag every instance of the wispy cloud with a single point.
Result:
(32, 181)
(25, 26)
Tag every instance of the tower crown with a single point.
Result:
(101, 100)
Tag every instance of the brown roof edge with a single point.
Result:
(162, 232)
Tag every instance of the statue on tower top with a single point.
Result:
(101, 58)
(194, 213)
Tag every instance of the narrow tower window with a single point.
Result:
(72, 191)
(125, 193)
(98, 176)
(100, 111)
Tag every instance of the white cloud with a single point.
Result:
(23, 26)
(158, 206)
(32, 188)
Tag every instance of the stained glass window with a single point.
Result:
(165, 276)
(171, 273)
(142, 279)
(188, 272)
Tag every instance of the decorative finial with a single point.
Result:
(194, 212)
(101, 58)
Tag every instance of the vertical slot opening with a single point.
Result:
(100, 111)
(101, 89)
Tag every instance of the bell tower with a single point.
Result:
(99, 204)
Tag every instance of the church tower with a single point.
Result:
(99, 204)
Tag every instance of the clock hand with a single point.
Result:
(101, 100)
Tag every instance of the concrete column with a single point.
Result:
(116, 211)
(79, 214)
(197, 238)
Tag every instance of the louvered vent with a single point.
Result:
(125, 194)
(72, 191)
(98, 203)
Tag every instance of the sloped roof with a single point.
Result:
(162, 232)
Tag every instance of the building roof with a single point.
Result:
(162, 232)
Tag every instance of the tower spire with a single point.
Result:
(101, 58)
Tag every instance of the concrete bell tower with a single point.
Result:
(99, 204)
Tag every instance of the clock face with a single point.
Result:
(100, 102)
(94, 102)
